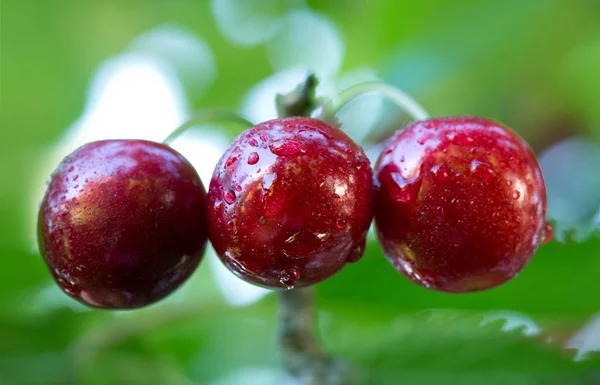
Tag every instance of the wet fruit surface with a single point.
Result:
(290, 203)
(122, 223)
(460, 203)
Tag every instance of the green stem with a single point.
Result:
(302, 354)
(204, 116)
(400, 98)
(301, 101)
(297, 332)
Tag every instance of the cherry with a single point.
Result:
(460, 203)
(122, 223)
(290, 203)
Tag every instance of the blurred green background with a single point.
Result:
(74, 70)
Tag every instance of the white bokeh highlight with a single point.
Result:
(307, 40)
(187, 53)
(202, 146)
(587, 339)
(255, 376)
(235, 291)
(248, 22)
(132, 95)
(359, 117)
(570, 170)
(513, 321)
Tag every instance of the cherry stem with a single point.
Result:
(302, 354)
(301, 101)
(399, 97)
(204, 116)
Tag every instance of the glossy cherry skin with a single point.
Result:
(122, 223)
(290, 203)
(460, 203)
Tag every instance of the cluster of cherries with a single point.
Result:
(459, 205)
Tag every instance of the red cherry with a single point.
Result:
(290, 203)
(460, 203)
(122, 223)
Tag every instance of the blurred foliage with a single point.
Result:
(532, 64)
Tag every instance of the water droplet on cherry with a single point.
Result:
(547, 232)
(289, 277)
(325, 134)
(253, 158)
(285, 148)
(230, 197)
(231, 160)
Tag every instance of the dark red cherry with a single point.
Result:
(460, 203)
(122, 223)
(290, 203)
